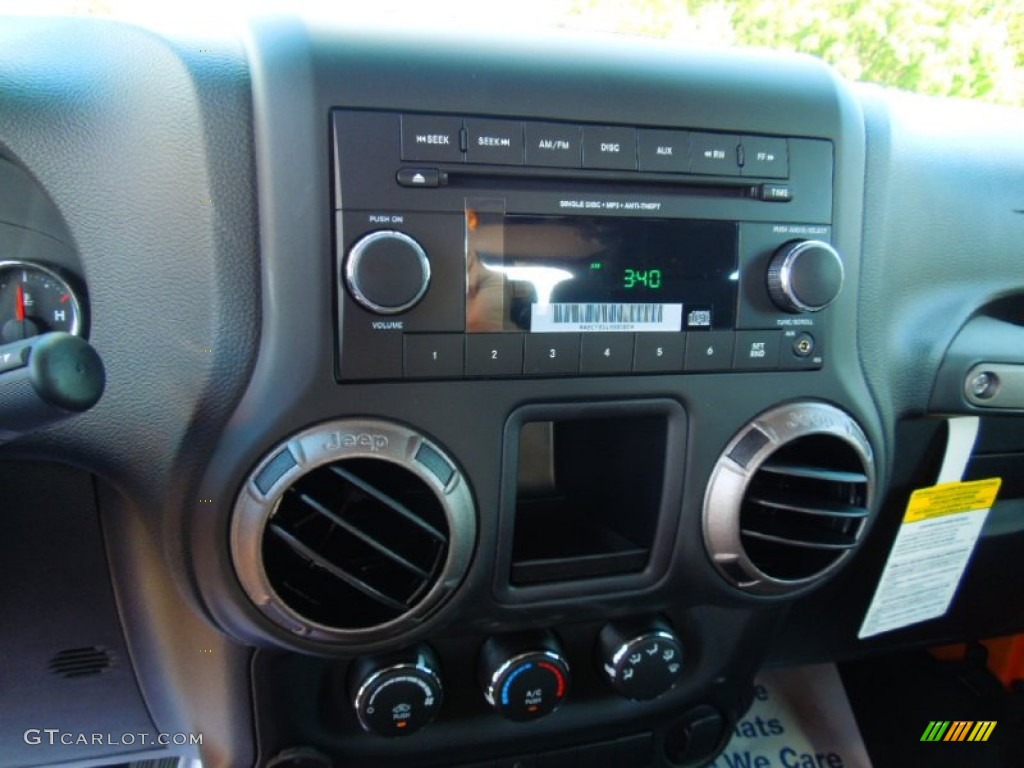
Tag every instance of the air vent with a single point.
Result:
(355, 543)
(789, 499)
(81, 662)
(353, 532)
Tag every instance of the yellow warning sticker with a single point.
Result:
(929, 555)
(951, 499)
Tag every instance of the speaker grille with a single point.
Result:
(789, 499)
(81, 662)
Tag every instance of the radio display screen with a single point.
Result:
(545, 274)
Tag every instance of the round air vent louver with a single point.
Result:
(353, 531)
(789, 498)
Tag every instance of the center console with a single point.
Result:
(557, 404)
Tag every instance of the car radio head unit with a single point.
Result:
(453, 263)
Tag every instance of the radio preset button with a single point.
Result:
(765, 157)
(494, 354)
(714, 154)
(432, 137)
(664, 151)
(709, 351)
(659, 351)
(606, 353)
(433, 356)
(757, 350)
(498, 142)
(552, 145)
(609, 148)
(549, 354)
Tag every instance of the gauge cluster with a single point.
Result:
(36, 299)
(41, 288)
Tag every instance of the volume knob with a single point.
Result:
(805, 276)
(387, 272)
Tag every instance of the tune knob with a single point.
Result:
(641, 661)
(805, 276)
(387, 272)
(524, 678)
(397, 695)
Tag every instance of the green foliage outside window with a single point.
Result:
(964, 48)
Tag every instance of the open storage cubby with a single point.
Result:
(591, 491)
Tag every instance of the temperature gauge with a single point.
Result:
(35, 300)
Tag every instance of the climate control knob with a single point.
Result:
(387, 272)
(640, 661)
(524, 677)
(805, 276)
(396, 695)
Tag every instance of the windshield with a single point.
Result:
(962, 48)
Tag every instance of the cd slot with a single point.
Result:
(595, 183)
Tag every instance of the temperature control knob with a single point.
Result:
(398, 695)
(805, 276)
(641, 661)
(387, 272)
(524, 678)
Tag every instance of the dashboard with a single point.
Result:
(400, 398)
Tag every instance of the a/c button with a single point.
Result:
(710, 351)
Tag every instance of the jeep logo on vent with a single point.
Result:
(367, 440)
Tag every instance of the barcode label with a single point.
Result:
(586, 317)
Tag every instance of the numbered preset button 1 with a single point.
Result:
(494, 354)
(657, 351)
(433, 356)
(606, 353)
(549, 354)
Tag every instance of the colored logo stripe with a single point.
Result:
(982, 730)
(958, 730)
